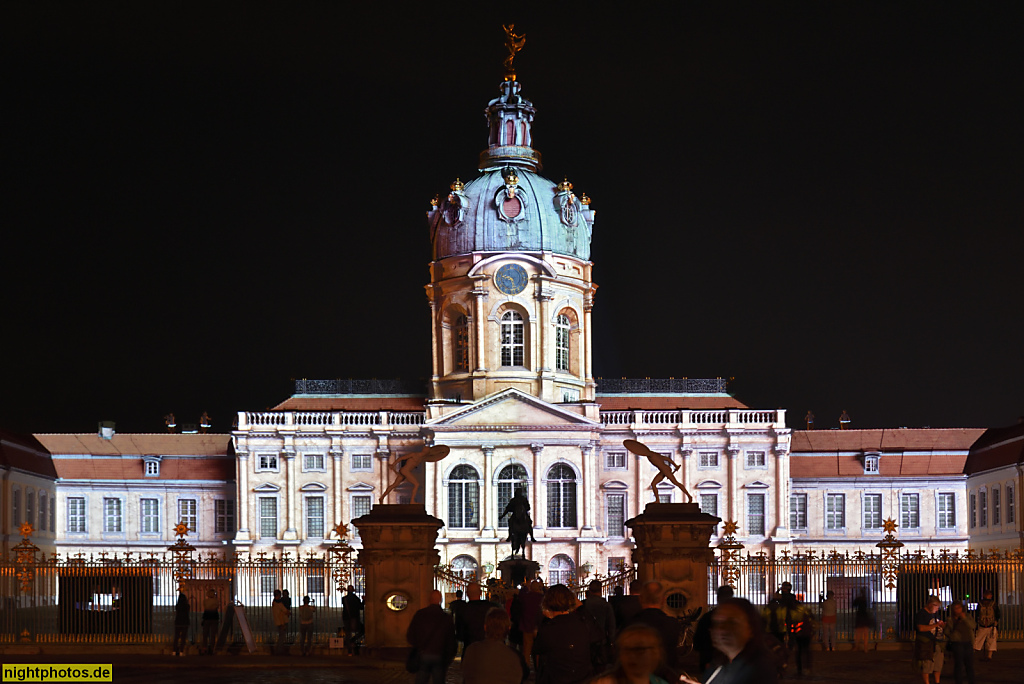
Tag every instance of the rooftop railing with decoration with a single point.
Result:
(685, 418)
(326, 419)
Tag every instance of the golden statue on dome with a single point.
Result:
(514, 44)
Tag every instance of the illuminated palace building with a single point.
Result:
(512, 393)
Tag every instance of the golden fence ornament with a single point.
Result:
(182, 551)
(342, 551)
(730, 549)
(890, 547)
(25, 557)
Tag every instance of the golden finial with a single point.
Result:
(512, 178)
(341, 529)
(435, 200)
(458, 185)
(585, 200)
(26, 529)
(889, 525)
(181, 529)
(730, 527)
(513, 44)
(565, 186)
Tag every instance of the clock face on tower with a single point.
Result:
(511, 279)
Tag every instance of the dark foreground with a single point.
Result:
(875, 667)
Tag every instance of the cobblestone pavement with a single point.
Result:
(875, 667)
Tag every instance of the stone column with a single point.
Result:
(398, 556)
(684, 471)
(486, 504)
(587, 371)
(588, 481)
(338, 496)
(732, 452)
(781, 492)
(535, 511)
(479, 295)
(437, 342)
(672, 547)
(545, 345)
(289, 496)
(386, 473)
(244, 498)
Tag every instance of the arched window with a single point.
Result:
(466, 567)
(464, 497)
(460, 345)
(562, 343)
(511, 339)
(510, 132)
(561, 496)
(561, 570)
(511, 478)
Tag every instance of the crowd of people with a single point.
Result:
(629, 639)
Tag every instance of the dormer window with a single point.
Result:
(152, 466)
(871, 464)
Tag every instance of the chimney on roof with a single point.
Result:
(170, 422)
(844, 421)
(810, 420)
(106, 429)
(204, 422)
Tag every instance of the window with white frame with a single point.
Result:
(756, 459)
(42, 512)
(152, 468)
(982, 508)
(16, 505)
(974, 510)
(872, 519)
(188, 513)
(512, 345)
(708, 459)
(362, 461)
(312, 461)
(53, 514)
(562, 343)
(561, 570)
(465, 567)
(149, 510)
(314, 517)
(665, 496)
(570, 396)
(268, 517)
(616, 505)
(798, 511)
(615, 460)
(112, 514)
(1010, 513)
(266, 462)
(870, 464)
(561, 496)
(464, 497)
(755, 514)
(946, 511)
(30, 508)
(268, 579)
(910, 511)
(224, 516)
(709, 503)
(361, 504)
(996, 491)
(799, 582)
(76, 514)
(835, 511)
(511, 478)
(616, 565)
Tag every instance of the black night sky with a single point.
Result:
(822, 200)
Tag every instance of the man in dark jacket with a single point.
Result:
(455, 608)
(432, 634)
(626, 607)
(702, 635)
(603, 614)
(473, 615)
(668, 627)
(351, 612)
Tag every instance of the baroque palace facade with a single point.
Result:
(513, 395)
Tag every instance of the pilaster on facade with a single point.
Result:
(486, 504)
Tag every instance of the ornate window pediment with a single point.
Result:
(313, 487)
(359, 487)
(266, 487)
(709, 484)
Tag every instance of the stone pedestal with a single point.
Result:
(672, 547)
(517, 571)
(398, 556)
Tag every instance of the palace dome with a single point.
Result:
(510, 207)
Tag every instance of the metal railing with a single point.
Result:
(661, 385)
(688, 418)
(359, 386)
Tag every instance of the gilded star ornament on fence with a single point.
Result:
(730, 549)
(889, 525)
(341, 529)
(890, 547)
(181, 529)
(25, 557)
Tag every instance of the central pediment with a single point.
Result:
(514, 408)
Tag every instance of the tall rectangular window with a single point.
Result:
(30, 499)
(1010, 513)
(361, 504)
(315, 517)
(835, 511)
(798, 511)
(996, 491)
(974, 510)
(224, 515)
(983, 508)
(362, 462)
(615, 460)
(76, 514)
(755, 459)
(910, 511)
(511, 339)
(268, 579)
(42, 512)
(709, 504)
(872, 512)
(53, 514)
(947, 511)
(111, 515)
(149, 510)
(315, 575)
(616, 564)
(708, 459)
(16, 505)
(616, 515)
(268, 517)
(755, 514)
(562, 343)
(187, 513)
